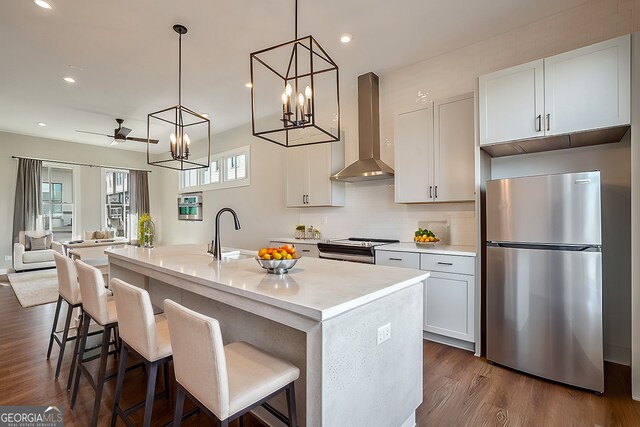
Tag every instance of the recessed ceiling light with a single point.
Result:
(249, 85)
(346, 38)
(42, 124)
(205, 115)
(43, 4)
(69, 80)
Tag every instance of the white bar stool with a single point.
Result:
(102, 310)
(145, 335)
(224, 381)
(69, 292)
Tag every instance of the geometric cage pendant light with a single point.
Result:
(181, 126)
(295, 93)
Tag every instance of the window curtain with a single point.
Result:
(139, 192)
(28, 201)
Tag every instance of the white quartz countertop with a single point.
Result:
(436, 249)
(316, 288)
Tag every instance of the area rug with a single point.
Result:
(35, 287)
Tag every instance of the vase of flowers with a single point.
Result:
(146, 231)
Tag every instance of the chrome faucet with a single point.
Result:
(215, 244)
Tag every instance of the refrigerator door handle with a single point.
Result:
(572, 248)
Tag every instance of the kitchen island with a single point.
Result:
(324, 316)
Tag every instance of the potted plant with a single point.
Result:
(146, 231)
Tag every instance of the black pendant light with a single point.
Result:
(295, 96)
(177, 120)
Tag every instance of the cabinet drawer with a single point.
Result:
(448, 263)
(302, 249)
(306, 249)
(398, 259)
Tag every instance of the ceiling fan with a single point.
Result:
(120, 134)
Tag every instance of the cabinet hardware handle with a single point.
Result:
(430, 191)
(305, 250)
(395, 259)
(548, 120)
(436, 191)
(445, 263)
(539, 123)
(307, 199)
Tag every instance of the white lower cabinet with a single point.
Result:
(448, 305)
(449, 293)
(398, 259)
(449, 296)
(302, 249)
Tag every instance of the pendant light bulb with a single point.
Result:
(285, 98)
(300, 99)
(307, 92)
(172, 138)
(288, 89)
(187, 139)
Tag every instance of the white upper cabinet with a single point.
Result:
(588, 88)
(453, 144)
(512, 103)
(434, 152)
(576, 91)
(309, 169)
(413, 156)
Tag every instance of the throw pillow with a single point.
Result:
(38, 243)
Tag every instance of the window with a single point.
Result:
(226, 170)
(236, 167)
(57, 201)
(116, 210)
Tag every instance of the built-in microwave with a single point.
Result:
(190, 207)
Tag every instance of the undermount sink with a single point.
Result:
(235, 255)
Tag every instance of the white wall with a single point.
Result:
(613, 162)
(260, 206)
(89, 206)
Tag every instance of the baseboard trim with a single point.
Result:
(453, 342)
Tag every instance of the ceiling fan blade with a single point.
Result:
(151, 141)
(123, 132)
(95, 133)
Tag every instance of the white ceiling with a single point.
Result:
(123, 53)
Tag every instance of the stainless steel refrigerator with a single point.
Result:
(544, 277)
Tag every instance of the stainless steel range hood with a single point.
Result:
(368, 166)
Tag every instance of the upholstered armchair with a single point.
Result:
(27, 258)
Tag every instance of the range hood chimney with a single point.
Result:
(368, 166)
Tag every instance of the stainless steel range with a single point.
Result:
(354, 249)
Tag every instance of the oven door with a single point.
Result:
(363, 259)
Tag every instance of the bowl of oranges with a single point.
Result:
(277, 260)
(424, 237)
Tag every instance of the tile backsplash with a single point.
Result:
(371, 212)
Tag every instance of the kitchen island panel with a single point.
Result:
(367, 375)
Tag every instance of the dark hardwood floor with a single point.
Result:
(459, 389)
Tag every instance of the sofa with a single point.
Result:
(26, 258)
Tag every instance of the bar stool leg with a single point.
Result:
(241, 420)
(167, 386)
(53, 328)
(291, 403)
(65, 335)
(83, 342)
(75, 352)
(177, 413)
(151, 385)
(104, 354)
(121, 373)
